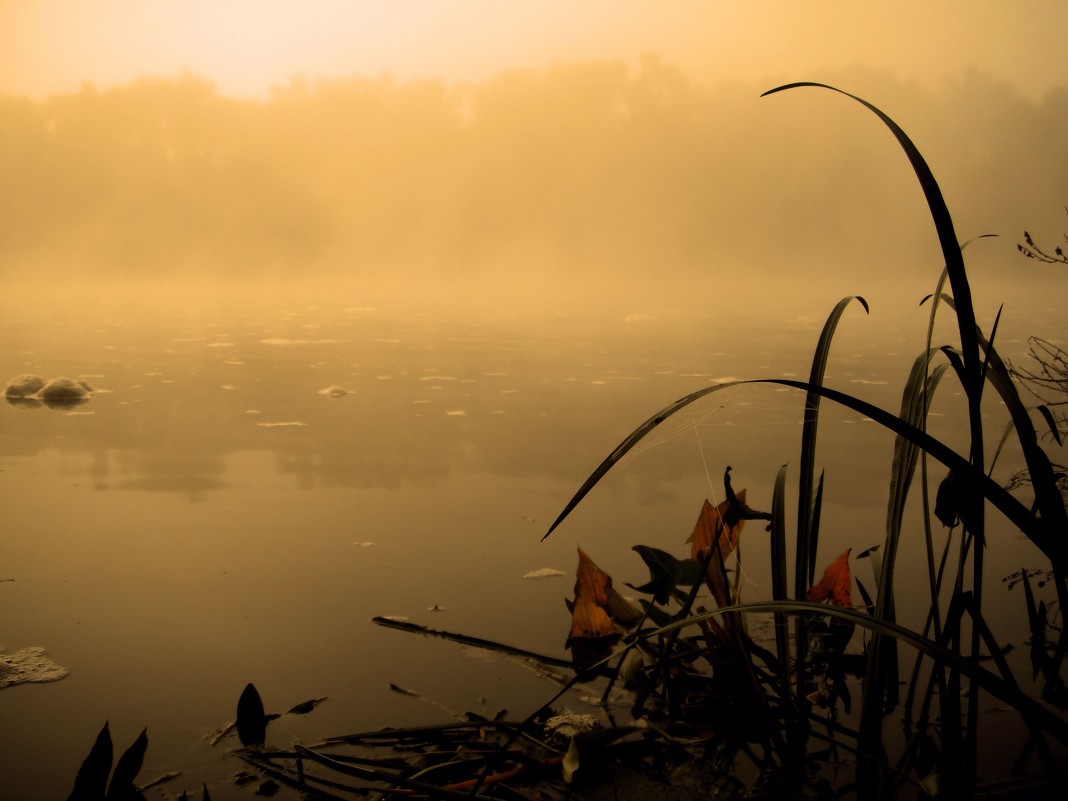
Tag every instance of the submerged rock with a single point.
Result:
(23, 386)
(29, 665)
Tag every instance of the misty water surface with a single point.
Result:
(213, 517)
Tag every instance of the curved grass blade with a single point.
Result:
(943, 222)
(1015, 511)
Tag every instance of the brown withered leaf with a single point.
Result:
(590, 617)
(709, 528)
(836, 584)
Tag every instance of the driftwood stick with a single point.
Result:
(475, 642)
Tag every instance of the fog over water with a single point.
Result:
(356, 334)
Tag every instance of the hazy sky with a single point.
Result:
(246, 46)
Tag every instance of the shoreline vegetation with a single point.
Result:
(843, 699)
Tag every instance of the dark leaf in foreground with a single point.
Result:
(126, 770)
(204, 792)
(666, 572)
(251, 721)
(945, 506)
(738, 509)
(92, 778)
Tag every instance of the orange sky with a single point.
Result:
(246, 46)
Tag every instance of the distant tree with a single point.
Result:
(1033, 251)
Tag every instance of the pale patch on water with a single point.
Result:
(288, 341)
(283, 424)
(29, 665)
(456, 413)
(544, 572)
(227, 386)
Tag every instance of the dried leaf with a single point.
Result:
(590, 617)
(836, 584)
(711, 525)
(571, 761)
(711, 528)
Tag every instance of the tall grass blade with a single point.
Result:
(779, 569)
(806, 560)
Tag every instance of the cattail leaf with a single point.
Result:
(126, 770)
(92, 778)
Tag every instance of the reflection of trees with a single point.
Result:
(625, 170)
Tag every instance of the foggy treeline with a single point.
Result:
(590, 168)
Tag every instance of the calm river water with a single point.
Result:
(214, 515)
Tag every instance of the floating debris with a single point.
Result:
(545, 572)
(29, 665)
(334, 391)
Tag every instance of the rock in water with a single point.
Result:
(64, 389)
(22, 386)
(63, 393)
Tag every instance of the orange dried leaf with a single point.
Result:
(590, 617)
(711, 524)
(836, 584)
(709, 528)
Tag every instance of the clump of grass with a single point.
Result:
(791, 698)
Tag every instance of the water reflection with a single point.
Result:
(188, 521)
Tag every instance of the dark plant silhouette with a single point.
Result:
(1033, 251)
